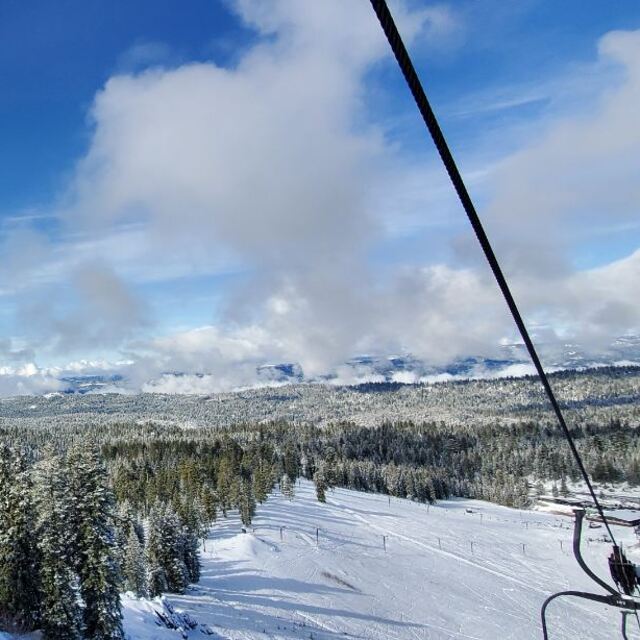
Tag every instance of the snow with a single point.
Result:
(628, 515)
(446, 573)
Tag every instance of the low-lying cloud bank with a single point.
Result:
(147, 375)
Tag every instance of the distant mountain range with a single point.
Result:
(512, 360)
(93, 383)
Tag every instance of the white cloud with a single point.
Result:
(187, 384)
(582, 171)
(603, 302)
(26, 380)
(262, 158)
(267, 162)
(93, 309)
(273, 166)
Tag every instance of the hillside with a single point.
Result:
(593, 395)
(428, 584)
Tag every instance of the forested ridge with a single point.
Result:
(594, 395)
(92, 504)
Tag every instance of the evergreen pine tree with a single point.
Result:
(95, 545)
(291, 463)
(166, 552)
(209, 501)
(321, 484)
(224, 486)
(191, 556)
(262, 481)
(19, 558)
(201, 524)
(157, 582)
(246, 501)
(61, 604)
(134, 567)
(125, 520)
(286, 487)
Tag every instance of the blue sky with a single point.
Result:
(56, 56)
(246, 182)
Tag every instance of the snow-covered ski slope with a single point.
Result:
(429, 583)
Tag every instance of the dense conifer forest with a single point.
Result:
(81, 521)
(96, 503)
(594, 395)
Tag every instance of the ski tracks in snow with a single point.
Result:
(284, 583)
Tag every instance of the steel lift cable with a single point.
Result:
(415, 86)
(413, 81)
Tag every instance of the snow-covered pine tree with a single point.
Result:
(19, 559)
(191, 556)
(156, 575)
(174, 541)
(165, 552)
(224, 487)
(202, 519)
(291, 462)
(125, 520)
(195, 527)
(61, 603)
(209, 501)
(95, 546)
(321, 484)
(305, 467)
(134, 566)
(193, 516)
(286, 487)
(262, 481)
(245, 500)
